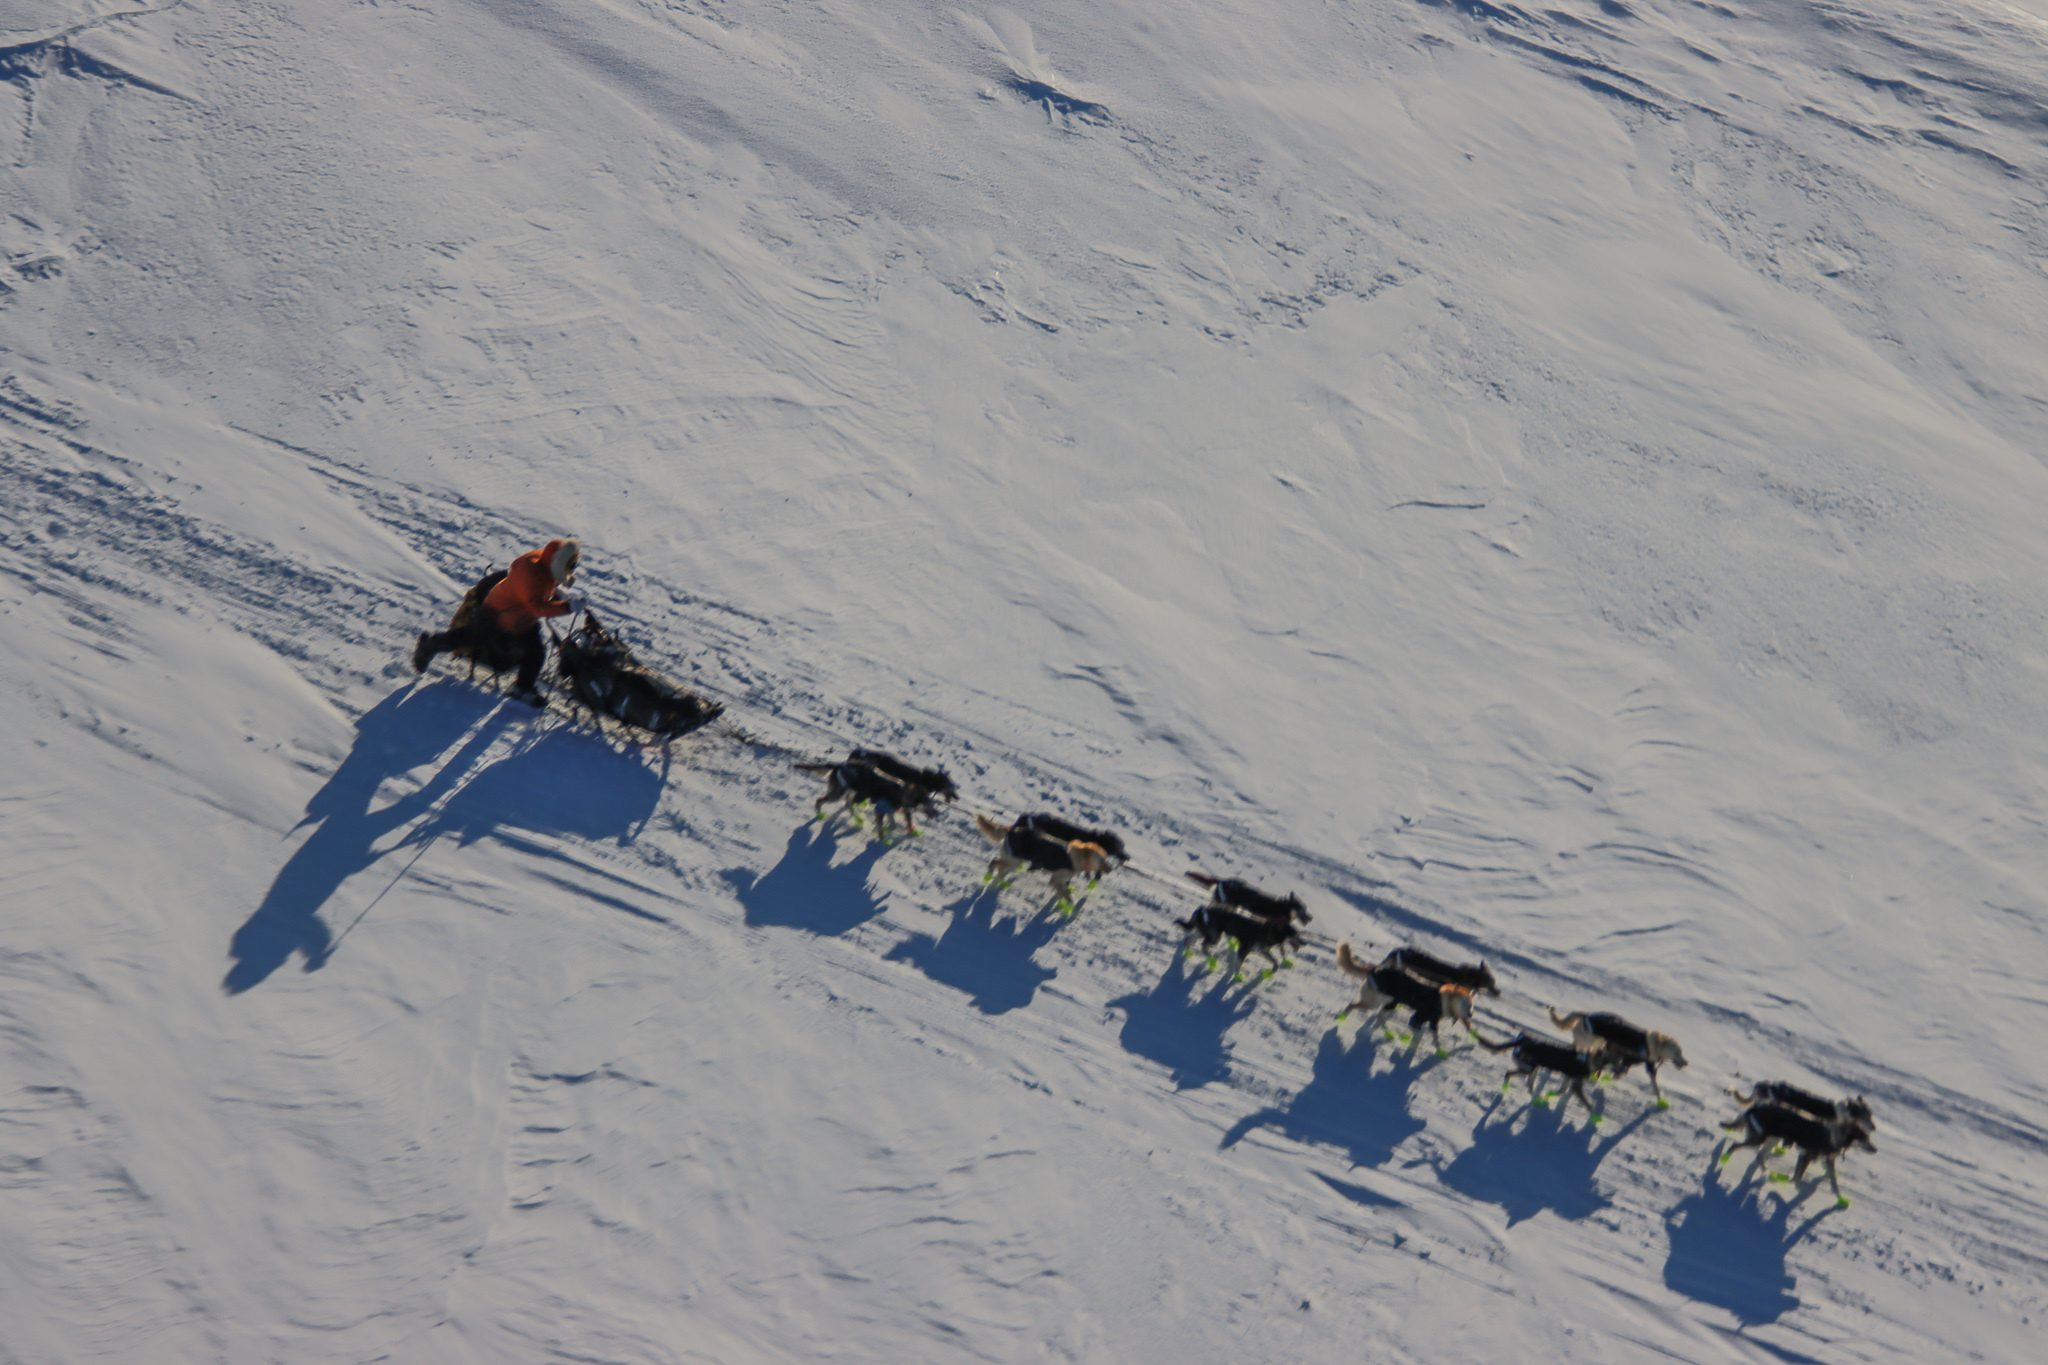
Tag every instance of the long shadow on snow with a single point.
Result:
(987, 958)
(1546, 1163)
(400, 733)
(1181, 1033)
(805, 891)
(1346, 1104)
(563, 782)
(1729, 1251)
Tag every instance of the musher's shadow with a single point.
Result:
(404, 731)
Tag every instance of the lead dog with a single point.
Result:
(1213, 923)
(1064, 859)
(1762, 1123)
(1855, 1109)
(1386, 987)
(1535, 1055)
(1475, 978)
(1238, 895)
(1627, 1045)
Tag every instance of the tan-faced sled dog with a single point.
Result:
(1064, 859)
(1385, 988)
(1626, 1044)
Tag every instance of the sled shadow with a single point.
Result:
(987, 958)
(1346, 1104)
(566, 781)
(805, 891)
(406, 730)
(1179, 1031)
(1728, 1249)
(1546, 1162)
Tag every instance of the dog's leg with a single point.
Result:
(1740, 1123)
(832, 790)
(1841, 1200)
(1657, 1089)
(1063, 900)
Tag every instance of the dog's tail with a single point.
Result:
(1502, 1046)
(1351, 966)
(990, 830)
(1563, 1021)
(1201, 878)
(1741, 1098)
(814, 767)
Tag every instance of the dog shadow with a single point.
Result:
(1180, 1030)
(988, 958)
(806, 891)
(1729, 1250)
(1346, 1104)
(406, 730)
(1546, 1162)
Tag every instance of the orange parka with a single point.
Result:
(528, 592)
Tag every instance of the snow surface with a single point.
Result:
(1563, 485)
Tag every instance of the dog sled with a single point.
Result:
(597, 671)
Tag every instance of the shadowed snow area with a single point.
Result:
(1563, 486)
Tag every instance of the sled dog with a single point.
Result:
(1627, 1045)
(1230, 893)
(1535, 1054)
(1384, 988)
(1063, 859)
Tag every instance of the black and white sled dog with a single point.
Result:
(1385, 988)
(1534, 1055)
(1474, 977)
(1211, 924)
(1230, 893)
(1626, 1044)
(1854, 1109)
(859, 779)
(1109, 841)
(1826, 1139)
(932, 781)
(1064, 859)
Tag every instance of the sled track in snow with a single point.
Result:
(79, 522)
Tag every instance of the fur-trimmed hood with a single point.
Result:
(561, 557)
